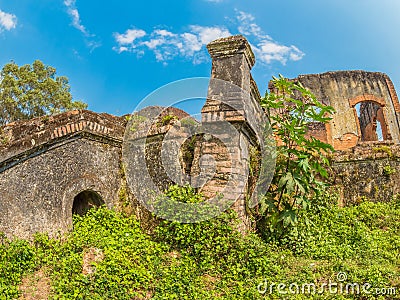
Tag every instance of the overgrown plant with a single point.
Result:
(173, 205)
(388, 170)
(302, 160)
(166, 120)
(108, 256)
(136, 121)
(215, 243)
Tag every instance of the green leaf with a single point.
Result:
(32, 91)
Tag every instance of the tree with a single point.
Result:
(301, 162)
(32, 91)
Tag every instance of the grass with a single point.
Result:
(108, 256)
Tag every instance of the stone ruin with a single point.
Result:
(56, 166)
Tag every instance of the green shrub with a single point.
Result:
(214, 244)
(209, 260)
(17, 258)
(302, 162)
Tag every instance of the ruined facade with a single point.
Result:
(361, 100)
(52, 167)
(46, 163)
(364, 131)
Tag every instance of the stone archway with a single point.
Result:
(90, 182)
(86, 200)
(370, 117)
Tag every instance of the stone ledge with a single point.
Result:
(368, 151)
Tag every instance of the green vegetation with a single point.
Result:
(301, 160)
(384, 149)
(189, 122)
(3, 138)
(33, 91)
(388, 170)
(209, 260)
(16, 258)
(167, 120)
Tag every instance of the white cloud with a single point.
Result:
(209, 34)
(269, 51)
(265, 48)
(77, 23)
(215, 1)
(191, 41)
(69, 2)
(153, 44)
(7, 21)
(296, 54)
(167, 45)
(163, 32)
(129, 36)
(74, 13)
(247, 25)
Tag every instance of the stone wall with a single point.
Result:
(46, 162)
(37, 194)
(370, 171)
(233, 113)
(145, 141)
(343, 90)
(26, 136)
(361, 99)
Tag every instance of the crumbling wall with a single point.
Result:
(319, 131)
(343, 90)
(370, 171)
(18, 138)
(37, 194)
(145, 141)
(370, 114)
(364, 168)
(46, 162)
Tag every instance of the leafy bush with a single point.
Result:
(122, 272)
(302, 160)
(360, 240)
(173, 205)
(17, 258)
(107, 255)
(215, 244)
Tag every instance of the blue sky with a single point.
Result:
(117, 52)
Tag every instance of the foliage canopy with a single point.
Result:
(32, 91)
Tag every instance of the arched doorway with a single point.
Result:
(84, 201)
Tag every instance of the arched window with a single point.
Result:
(85, 201)
(372, 121)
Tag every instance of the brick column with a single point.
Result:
(232, 117)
